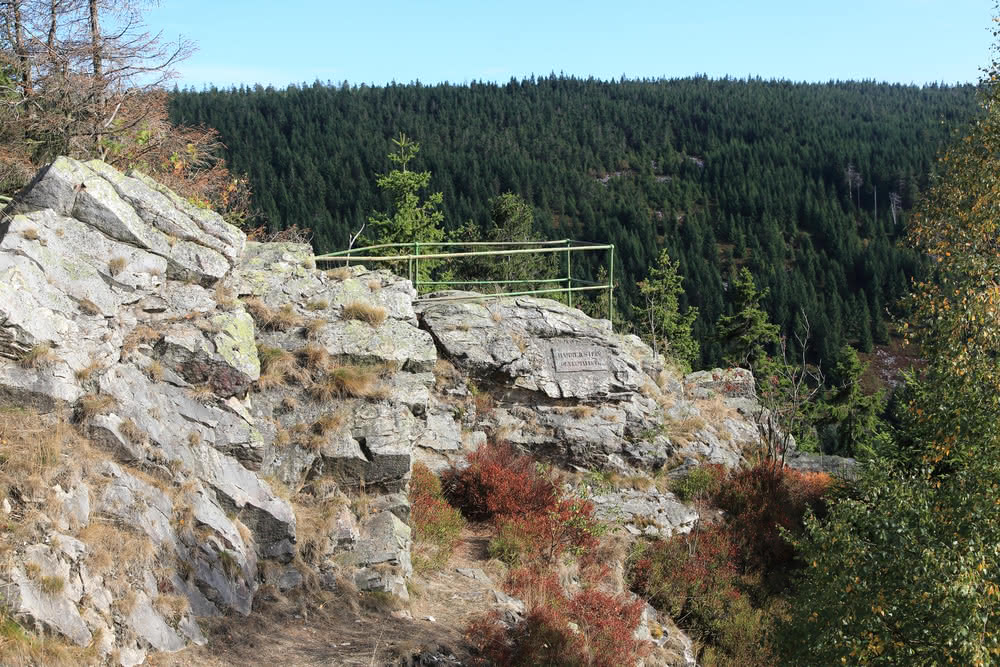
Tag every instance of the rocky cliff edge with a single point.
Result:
(191, 421)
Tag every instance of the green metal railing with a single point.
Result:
(417, 251)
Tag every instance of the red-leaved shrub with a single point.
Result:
(693, 575)
(694, 578)
(545, 536)
(760, 501)
(607, 623)
(603, 637)
(499, 481)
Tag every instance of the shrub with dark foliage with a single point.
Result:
(605, 624)
(499, 481)
(763, 500)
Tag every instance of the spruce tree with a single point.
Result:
(747, 333)
(411, 219)
(667, 329)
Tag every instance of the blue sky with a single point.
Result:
(277, 43)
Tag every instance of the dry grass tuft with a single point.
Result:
(39, 356)
(374, 284)
(171, 606)
(289, 404)
(445, 374)
(317, 304)
(19, 648)
(116, 266)
(314, 357)
(282, 438)
(314, 442)
(85, 373)
(715, 410)
(31, 451)
(140, 335)
(315, 520)
(330, 422)
(155, 370)
(340, 273)
(224, 298)
(382, 392)
(89, 307)
(282, 319)
(94, 404)
(110, 544)
(125, 599)
(582, 411)
(30, 233)
(682, 431)
(313, 327)
(277, 367)
(482, 400)
(380, 602)
(259, 311)
(194, 438)
(201, 392)
(364, 312)
(51, 584)
(344, 382)
(208, 326)
(131, 432)
(286, 318)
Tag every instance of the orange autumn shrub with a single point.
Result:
(763, 500)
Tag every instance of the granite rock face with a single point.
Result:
(143, 316)
(541, 345)
(565, 386)
(259, 418)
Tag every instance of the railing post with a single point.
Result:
(569, 273)
(416, 266)
(611, 286)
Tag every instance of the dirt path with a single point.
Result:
(343, 632)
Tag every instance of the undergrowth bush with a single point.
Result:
(721, 580)
(701, 482)
(534, 522)
(605, 624)
(690, 575)
(545, 536)
(695, 578)
(499, 481)
(437, 526)
(763, 500)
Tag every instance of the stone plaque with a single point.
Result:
(571, 358)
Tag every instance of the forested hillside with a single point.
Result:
(808, 185)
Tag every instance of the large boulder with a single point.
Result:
(540, 344)
(127, 209)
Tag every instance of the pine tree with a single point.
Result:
(667, 330)
(747, 333)
(412, 219)
(852, 417)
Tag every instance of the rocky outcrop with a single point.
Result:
(259, 418)
(565, 386)
(133, 310)
(539, 344)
